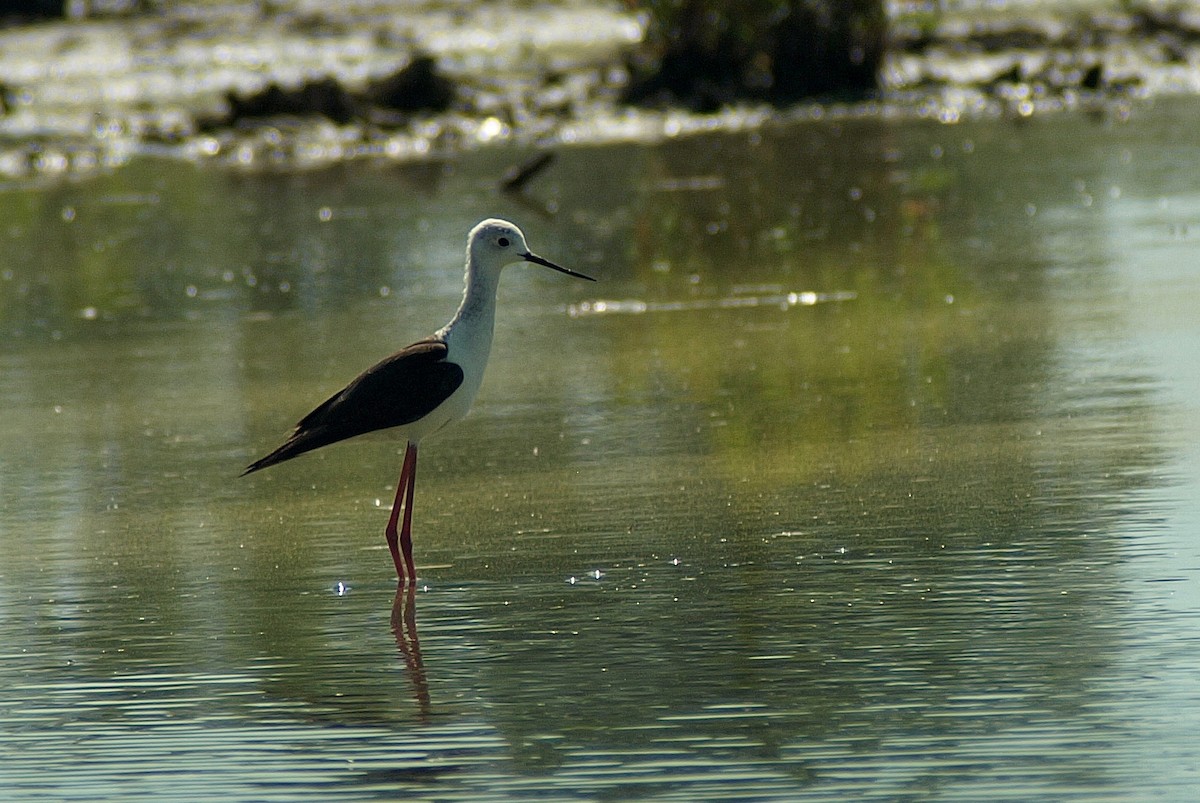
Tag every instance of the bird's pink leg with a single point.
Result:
(406, 530)
(403, 495)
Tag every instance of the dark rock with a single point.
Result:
(17, 11)
(1010, 76)
(417, 87)
(325, 97)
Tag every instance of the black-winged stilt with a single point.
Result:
(420, 389)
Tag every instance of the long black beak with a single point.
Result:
(537, 260)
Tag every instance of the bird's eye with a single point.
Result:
(502, 242)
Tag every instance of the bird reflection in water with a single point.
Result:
(404, 628)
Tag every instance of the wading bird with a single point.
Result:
(420, 389)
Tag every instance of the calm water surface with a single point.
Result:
(869, 470)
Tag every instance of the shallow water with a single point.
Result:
(868, 470)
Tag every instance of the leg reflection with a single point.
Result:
(404, 628)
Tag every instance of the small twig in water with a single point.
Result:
(516, 177)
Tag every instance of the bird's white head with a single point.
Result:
(495, 243)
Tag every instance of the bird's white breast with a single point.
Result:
(469, 343)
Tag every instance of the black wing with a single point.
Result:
(398, 390)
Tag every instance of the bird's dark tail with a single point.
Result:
(285, 452)
(299, 443)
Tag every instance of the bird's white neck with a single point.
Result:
(476, 316)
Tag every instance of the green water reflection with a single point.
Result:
(892, 545)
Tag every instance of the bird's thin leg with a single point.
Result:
(390, 532)
(406, 530)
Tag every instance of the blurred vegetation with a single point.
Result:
(707, 54)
